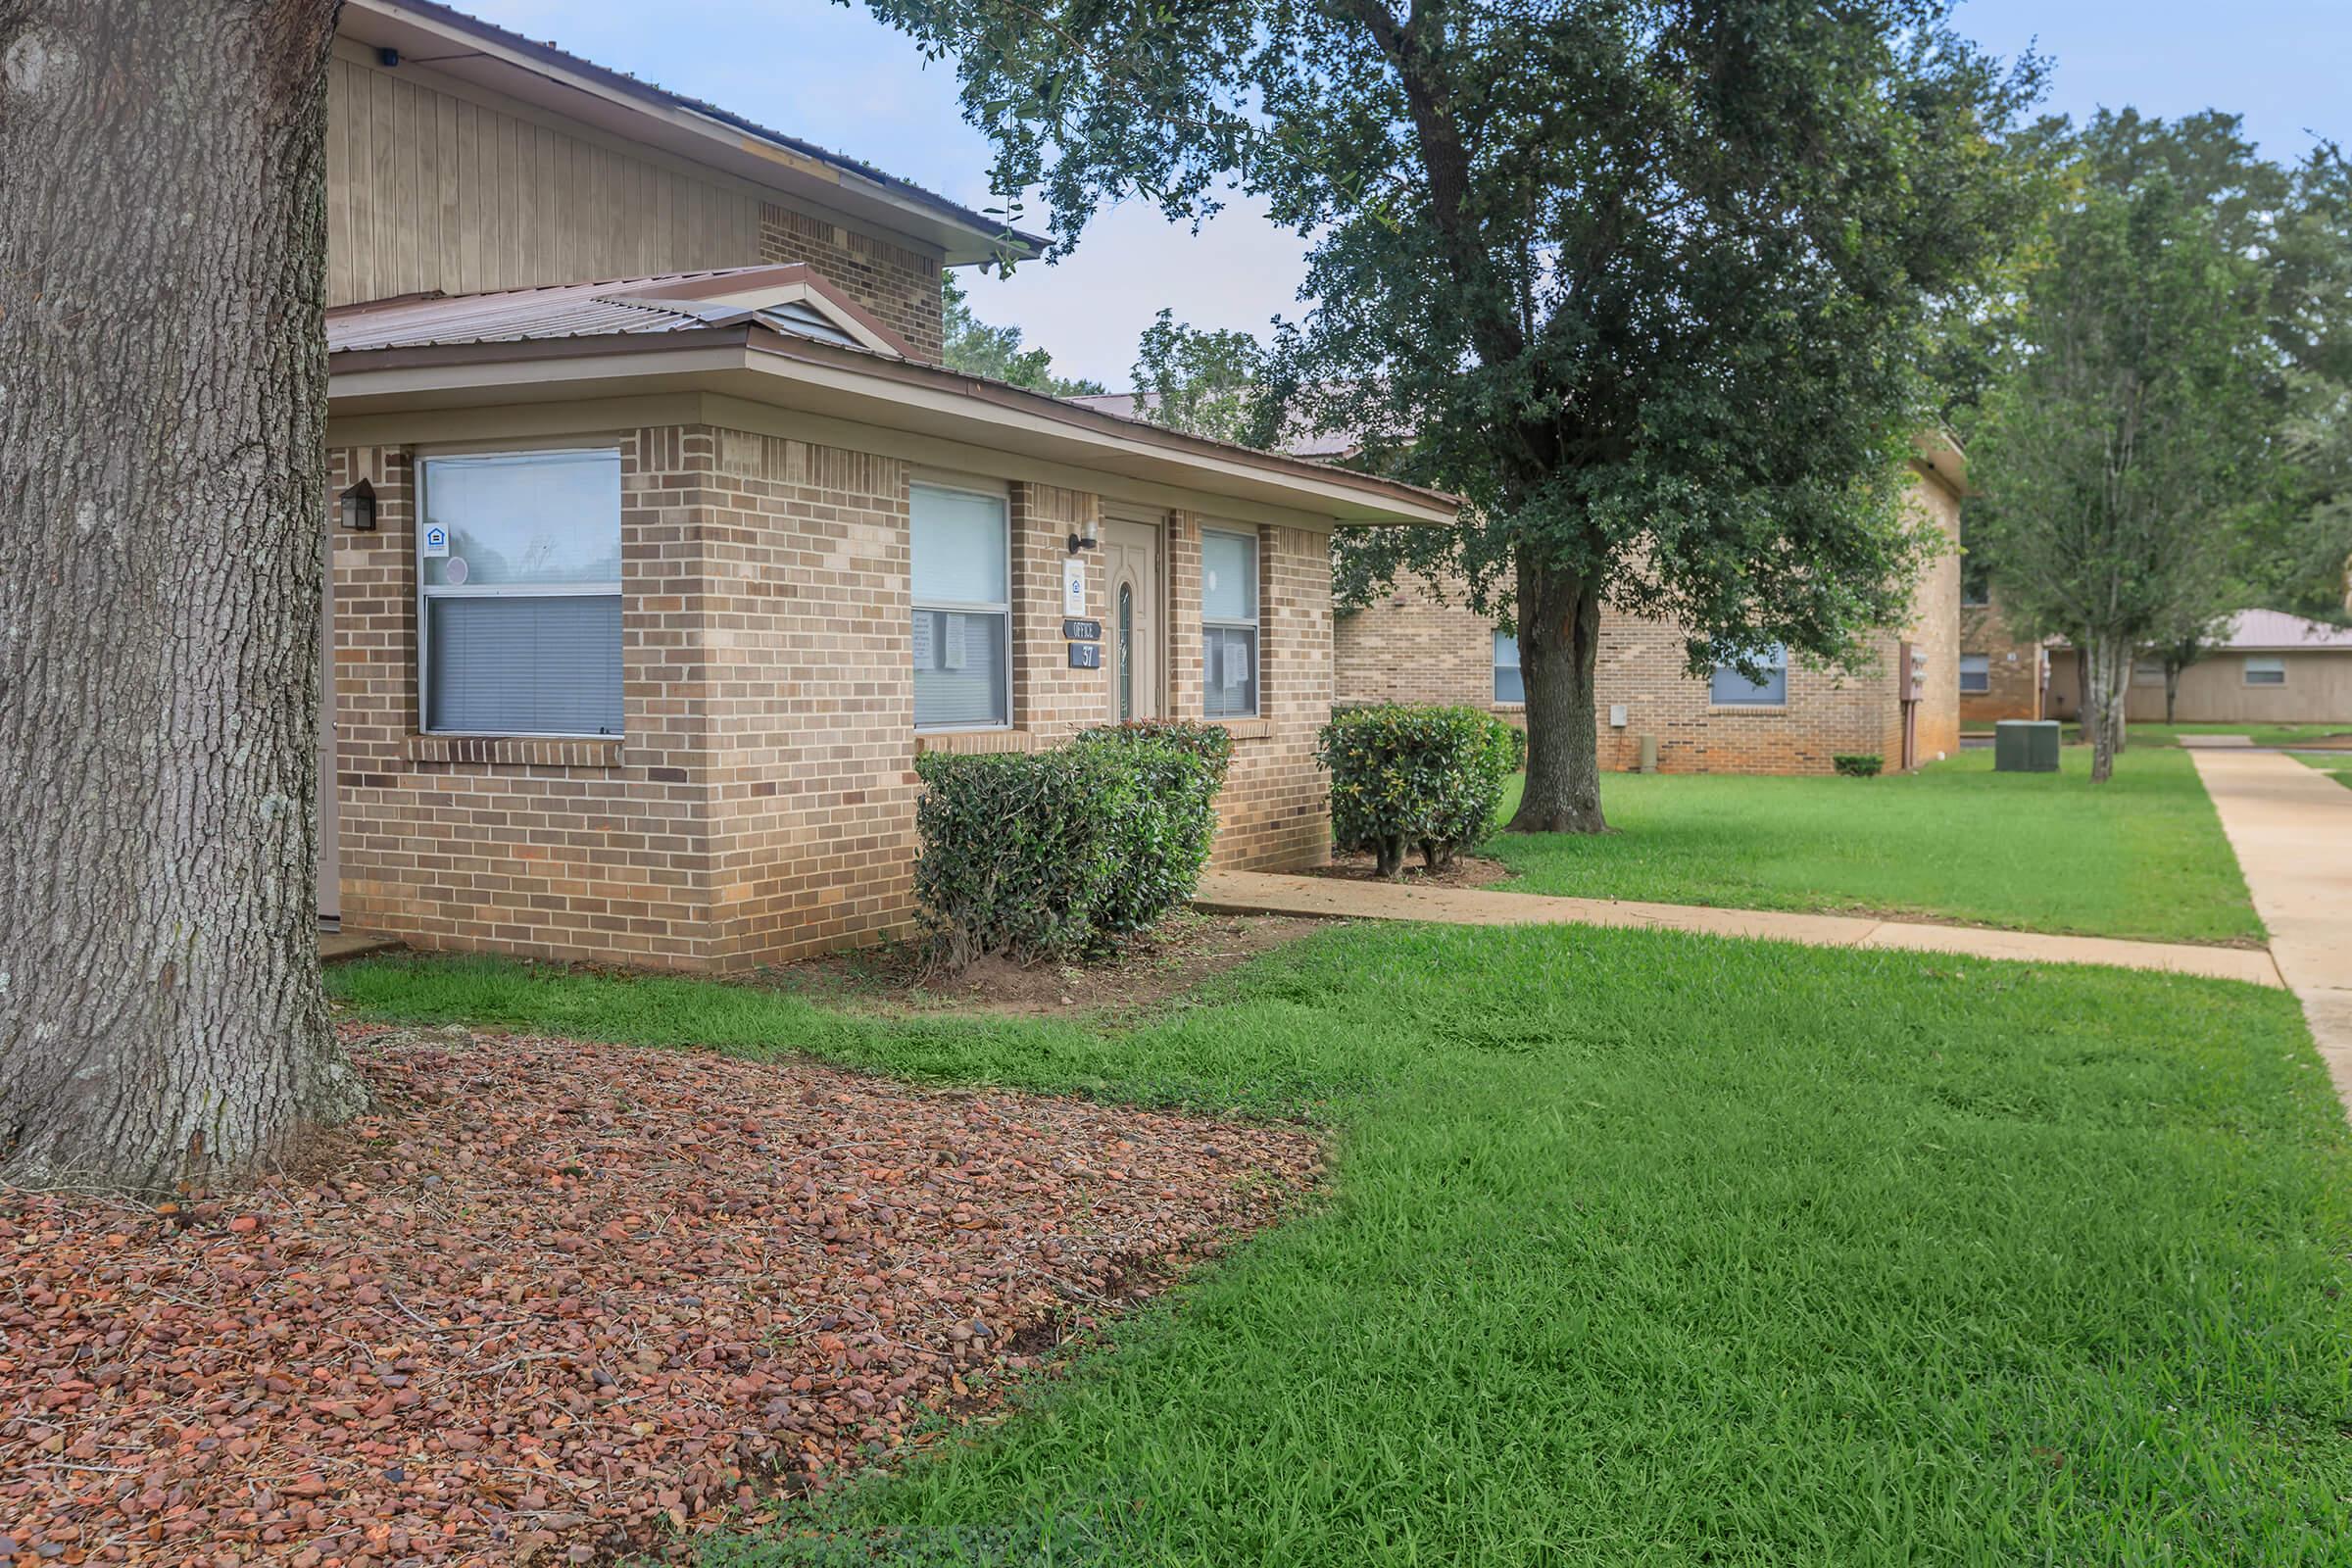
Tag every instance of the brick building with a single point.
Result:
(644, 595)
(1416, 645)
(2002, 675)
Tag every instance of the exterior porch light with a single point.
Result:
(1080, 541)
(359, 507)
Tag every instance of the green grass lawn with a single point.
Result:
(2142, 857)
(1648, 1249)
(2338, 768)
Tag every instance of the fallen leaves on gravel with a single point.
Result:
(559, 1301)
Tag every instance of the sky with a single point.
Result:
(835, 77)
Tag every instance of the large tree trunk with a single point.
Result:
(162, 420)
(1559, 647)
(2106, 671)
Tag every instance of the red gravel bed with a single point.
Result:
(559, 1301)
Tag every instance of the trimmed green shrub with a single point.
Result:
(1404, 776)
(1051, 853)
(1858, 765)
(1161, 847)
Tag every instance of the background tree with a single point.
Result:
(2114, 465)
(163, 399)
(975, 348)
(1645, 280)
(2294, 225)
(1206, 382)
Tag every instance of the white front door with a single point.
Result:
(1131, 629)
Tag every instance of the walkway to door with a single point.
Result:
(2291, 826)
(1264, 893)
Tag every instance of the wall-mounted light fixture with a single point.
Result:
(1080, 541)
(359, 507)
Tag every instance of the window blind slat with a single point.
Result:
(960, 666)
(524, 665)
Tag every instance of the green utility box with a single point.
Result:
(2024, 746)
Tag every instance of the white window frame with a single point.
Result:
(1503, 639)
(2273, 663)
(1752, 705)
(1003, 504)
(1255, 626)
(422, 462)
(1966, 690)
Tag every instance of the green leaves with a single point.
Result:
(1407, 776)
(1051, 853)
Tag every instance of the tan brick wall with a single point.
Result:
(1411, 646)
(1416, 645)
(804, 605)
(1934, 627)
(899, 284)
(760, 804)
(522, 856)
(2013, 665)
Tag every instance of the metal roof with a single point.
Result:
(1139, 406)
(2277, 631)
(666, 303)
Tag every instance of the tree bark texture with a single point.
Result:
(2106, 673)
(1559, 651)
(163, 384)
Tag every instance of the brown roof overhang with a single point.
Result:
(886, 379)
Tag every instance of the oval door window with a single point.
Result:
(1126, 652)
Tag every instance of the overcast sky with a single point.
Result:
(836, 78)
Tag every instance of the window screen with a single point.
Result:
(1731, 689)
(1230, 676)
(1976, 673)
(963, 610)
(2266, 671)
(520, 579)
(1510, 686)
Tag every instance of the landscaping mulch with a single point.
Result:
(1465, 871)
(561, 1301)
(1152, 969)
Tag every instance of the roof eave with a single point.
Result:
(752, 359)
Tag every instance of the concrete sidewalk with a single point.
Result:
(2291, 827)
(1264, 893)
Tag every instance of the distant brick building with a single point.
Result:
(2002, 675)
(1415, 646)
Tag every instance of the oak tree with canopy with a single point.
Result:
(1644, 280)
(163, 401)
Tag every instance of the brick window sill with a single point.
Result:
(1246, 729)
(1748, 711)
(526, 751)
(974, 742)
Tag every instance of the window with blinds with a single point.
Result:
(518, 584)
(963, 571)
(1229, 625)
(1509, 685)
(1729, 688)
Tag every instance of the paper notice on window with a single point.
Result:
(952, 656)
(1237, 665)
(926, 650)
